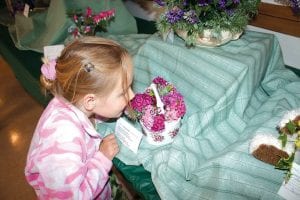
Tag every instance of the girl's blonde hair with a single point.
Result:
(89, 65)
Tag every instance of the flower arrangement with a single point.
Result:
(294, 4)
(196, 16)
(159, 104)
(89, 23)
(289, 132)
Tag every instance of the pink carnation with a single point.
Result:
(88, 12)
(158, 123)
(160, 81)
(140, 101)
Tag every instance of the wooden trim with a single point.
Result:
(277, 18)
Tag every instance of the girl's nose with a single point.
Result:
(130, 94)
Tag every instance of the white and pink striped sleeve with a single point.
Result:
(67, 164)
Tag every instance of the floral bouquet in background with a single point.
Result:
(159, 110)
(89, 23)
(217, 19)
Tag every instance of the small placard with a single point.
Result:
(26, 10)
(291, 189)
(53, 51)
(128, 134)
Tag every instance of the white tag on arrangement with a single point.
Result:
(291, 190)
(128, 134)
(53, 51)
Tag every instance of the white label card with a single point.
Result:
(26, 10)
(128, 134)
(291, 189)
(53, 51)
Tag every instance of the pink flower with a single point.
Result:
(175, 107)
(75, 18)
(75, 33)
(160, 81)
(158, 123)
(87, 22)
(88, 12)
(140, 101)
(104, 15)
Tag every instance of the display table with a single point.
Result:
(231, 92)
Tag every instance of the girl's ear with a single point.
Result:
(89, 102)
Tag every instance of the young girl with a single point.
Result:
(67, 158)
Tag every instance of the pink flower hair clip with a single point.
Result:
(48, 69)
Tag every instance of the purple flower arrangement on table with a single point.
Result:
(155, 115)
(89, 23)
(196, 16)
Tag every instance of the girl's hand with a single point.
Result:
(109, 146)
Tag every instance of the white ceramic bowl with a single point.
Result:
(163, 137)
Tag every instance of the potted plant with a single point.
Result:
(206, 22)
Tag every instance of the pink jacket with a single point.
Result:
(63, 160)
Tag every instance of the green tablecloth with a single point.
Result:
(232, 92)
(49, 27)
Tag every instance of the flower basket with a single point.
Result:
(159, 110)
(206, 22)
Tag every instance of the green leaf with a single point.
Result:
(285, 163)
(283, 138)
(288, 176)
(291, 126)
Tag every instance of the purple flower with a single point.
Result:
(229, 12)
(295, 4)
(191, 17)
(174, 15)
(185, 2)
(160, 2)
(222, 4)
(236, 1)
(203, 3)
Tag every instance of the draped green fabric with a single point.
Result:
(232, 93)
(50, 26)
